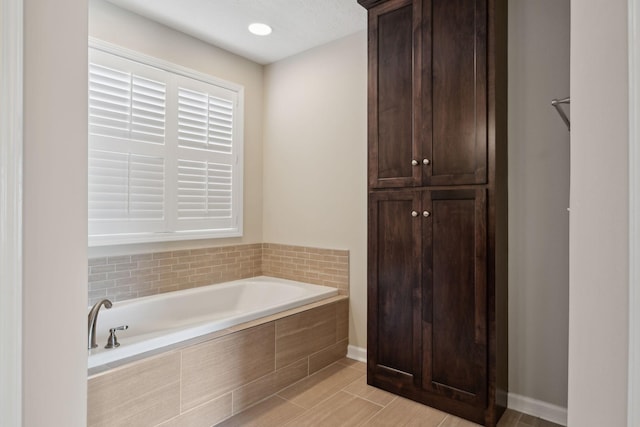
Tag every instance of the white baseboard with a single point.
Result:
(357, 353)
(537, 408)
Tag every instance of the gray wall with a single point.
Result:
(599, 234)
(538, 200)
(315, 158)
(55, 214)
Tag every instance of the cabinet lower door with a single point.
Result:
(394, 319)
(454, 317)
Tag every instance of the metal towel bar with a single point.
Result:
(556, 103)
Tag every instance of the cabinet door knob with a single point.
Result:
(426, 214)
(414, 162)
(426, 161)
(414, 213)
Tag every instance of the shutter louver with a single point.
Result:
(125, 186)
(148, 110)
(204, 121)
(204, 190)
(124, 105)
(109, 101)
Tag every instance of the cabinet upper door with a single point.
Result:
(394, 75)
(428, 103)
(455, 295)
(454, 91)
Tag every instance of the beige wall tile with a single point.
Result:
(302, 334)
(145, 393)
(205, 415)
(273, 412)
(166, 271)
(320, 266)
(319, 386)
(214, 368)
(272, 383)
(327, 356)
(341, 409)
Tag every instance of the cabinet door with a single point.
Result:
(394, 46)
(455, 295)
(394, 318)
(454, 91)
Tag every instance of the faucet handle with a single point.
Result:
(112, 341)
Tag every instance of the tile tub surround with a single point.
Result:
(327, 267)
(206, 382)
(131, 276)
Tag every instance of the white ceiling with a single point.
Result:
(297, 25)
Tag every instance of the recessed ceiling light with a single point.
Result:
(260, 29)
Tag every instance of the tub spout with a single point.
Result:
(93, 318)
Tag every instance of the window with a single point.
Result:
(165, 151)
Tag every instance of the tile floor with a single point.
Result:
(339, 396)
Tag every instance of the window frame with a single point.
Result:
(171, 203)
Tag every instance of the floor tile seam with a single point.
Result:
(352, 368)
(365, 399)
(381, 409)
(256, 403)
(305, 410)
(323, 400)
(443, 420)
(375, 414)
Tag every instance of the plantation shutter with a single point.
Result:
(207, 173)
(165, 152)
(127, 130)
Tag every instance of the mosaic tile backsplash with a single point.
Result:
(125, 277)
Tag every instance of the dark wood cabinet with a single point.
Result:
(454, 333)
(428, 93)
(437, 257)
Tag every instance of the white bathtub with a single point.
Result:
(165, 319)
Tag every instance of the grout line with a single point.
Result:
(375, 414)
(443, 420)
(364, 398)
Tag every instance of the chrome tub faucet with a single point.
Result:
(93, 318)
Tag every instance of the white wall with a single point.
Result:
(118, 26)
(55, 213)
(315, 158)
(598, 266)
(538, 200)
